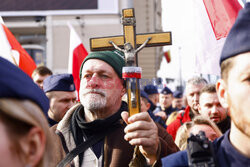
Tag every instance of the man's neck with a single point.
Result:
(101, 114)
(193, 113)
(52, 116)
(239, 140)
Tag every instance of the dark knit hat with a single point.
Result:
(150, 89)
(59, 82)
(238, 39)
(14, 83)
(166, 91)
(114, 58)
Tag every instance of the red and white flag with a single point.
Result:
(213, 19)
(77, 54)
(11, 50)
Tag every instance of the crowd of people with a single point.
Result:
(43, 124)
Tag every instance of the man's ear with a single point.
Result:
(148, 106)
(123, 91)
(33, 146)
(222, 92)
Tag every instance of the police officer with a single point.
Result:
(145, 107)
(178, 100)
(60, 89)
(153, 95)
(165, 100)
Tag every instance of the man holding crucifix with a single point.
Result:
(98, 131)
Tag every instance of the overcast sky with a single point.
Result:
(178, 19)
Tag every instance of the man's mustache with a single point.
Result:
(96, 91)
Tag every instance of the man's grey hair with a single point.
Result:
(196, 81)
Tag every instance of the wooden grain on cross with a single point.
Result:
(128, 17)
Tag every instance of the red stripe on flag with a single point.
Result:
(222, 15)
(26, 63)
(167, 56)
(79, 54)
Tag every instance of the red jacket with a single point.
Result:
(181, 118)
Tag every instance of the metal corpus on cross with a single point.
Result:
(131, 43)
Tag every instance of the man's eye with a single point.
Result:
(247, 80)
(87, 76)
(209, 105)
(104, 76)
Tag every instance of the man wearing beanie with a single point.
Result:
(60, 89)
(233, 89)
(98, 131)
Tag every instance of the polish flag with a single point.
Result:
(11, 50)
(213, 19)
(77, 54)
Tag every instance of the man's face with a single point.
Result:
(165, 100)
(101, 88)
(38, 79)
(193, 94)
(60, 103)
(177, 103)
(238, 92)
(210, 107)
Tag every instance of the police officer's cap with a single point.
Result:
(151, 89)
(59, 82)
(166, 91)
(14, 83)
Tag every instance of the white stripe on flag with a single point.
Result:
(5, 48)
(74, 42)
(207, 48)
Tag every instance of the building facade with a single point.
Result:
(44, 31)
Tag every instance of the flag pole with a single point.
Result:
(14, 60)
(180, 65)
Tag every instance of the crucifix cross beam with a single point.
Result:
(130, 36)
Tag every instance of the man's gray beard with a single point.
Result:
(93, 101)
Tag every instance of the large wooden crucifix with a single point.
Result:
(131, 43)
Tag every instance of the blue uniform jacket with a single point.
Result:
(225, 153)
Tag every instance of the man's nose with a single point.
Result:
(214, 110)
(196, 97)
(93, 82)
